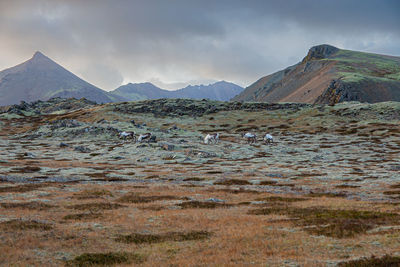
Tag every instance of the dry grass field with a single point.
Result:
(325, 193)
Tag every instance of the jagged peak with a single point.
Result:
(320, 52)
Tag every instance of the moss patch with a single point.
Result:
(233, 182)
(387, 261)
(268, 182)
(195, 179)
(21, 188)
(326, 194)
(158, 238)
(26, 169)
(395, 186)
(25, 225)
(281, 199)
(82, 216)
(135, 198)
(347, 186)
(105, 259)
(394, 192)
(87, 194)
(202, 205)
(235, 191)
(96, 206)
(27, 205)
(333, 223)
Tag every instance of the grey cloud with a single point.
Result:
(181, 40)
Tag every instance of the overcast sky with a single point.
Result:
(109, 43)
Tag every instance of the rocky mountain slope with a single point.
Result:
(40, 78)
(330, 75)
(222, 91)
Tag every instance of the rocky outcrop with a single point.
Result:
(320, 52)
(337, 92)
(46, 107)
(195, 108)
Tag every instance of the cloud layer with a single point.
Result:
(175, 41)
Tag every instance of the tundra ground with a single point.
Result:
(326, 192)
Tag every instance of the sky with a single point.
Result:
(173, 43)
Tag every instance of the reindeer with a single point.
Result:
(211, 138)
(127, 135)
(146, 136)
(268, 139)
(251, 137)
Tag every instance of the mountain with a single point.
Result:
(222, 91)
(139, 91)
(40, 78)
(330, 75)
(217, 91)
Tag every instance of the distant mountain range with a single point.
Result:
(330, 75)
(326, 75)
(40, 78)
(222, 91)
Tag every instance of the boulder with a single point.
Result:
(82, 149)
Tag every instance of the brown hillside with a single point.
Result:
(330, 75)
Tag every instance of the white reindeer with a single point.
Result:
(251, 138)
(268, 139)
(143, 137)
(211, 138)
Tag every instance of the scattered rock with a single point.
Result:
(216, 200)
(395, 168)
(205, 154)
(317, 158)
(144, 159)
(82, 149)
(29, 155)
(173, 128)
(168, 147)
(168, 157)
(63, 145)
(275, 175)
(142, 145)
(64, 124)
(153, 139)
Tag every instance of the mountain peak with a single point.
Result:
(42, 78)
(38, 54)
(39, 58)
(320, 52)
